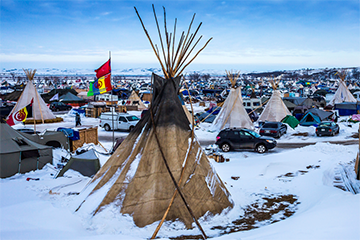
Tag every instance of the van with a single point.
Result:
(120, 121)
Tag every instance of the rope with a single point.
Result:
(172, 176)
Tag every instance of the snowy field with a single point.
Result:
(290, 193)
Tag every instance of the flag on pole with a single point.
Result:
(103, 70)
(100, 86)
(19, 116)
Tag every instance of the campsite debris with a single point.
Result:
(304, 134)
(218, 157)
(264, 211)
(36, 179)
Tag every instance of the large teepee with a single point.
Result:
(160, 171)
(342, 94)
(233, 113)
(275, 109)
(30, 95)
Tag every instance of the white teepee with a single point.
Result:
(134, 99)
(275, 110)
(233, 113)
(40, 111)
(342, 94)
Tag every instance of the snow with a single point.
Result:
(45, 208)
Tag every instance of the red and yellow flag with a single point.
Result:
(18, 117)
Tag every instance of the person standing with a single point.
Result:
(77, 120)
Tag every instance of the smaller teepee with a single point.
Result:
(134, 100)
(233, 113)
(40, 111)
(342, 94)
(275, 110)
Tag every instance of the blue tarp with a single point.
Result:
(70, 133)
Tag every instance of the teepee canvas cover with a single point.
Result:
(39, 109)
(135, 177)
(342, 94)
(275, 110)
(160, 166)
(233, 113)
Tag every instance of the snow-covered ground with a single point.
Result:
(297, 185)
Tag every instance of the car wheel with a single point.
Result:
(107, 127)
(225, 147)
(56, 110)
(261, 148)
(131, 128)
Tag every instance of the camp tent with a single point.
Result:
(19, 154)
(315, 116)
(342, 94)
(30, 95)
(160, 170)
(86, 163)
(232, 113)
(291, 121)
(70, 98)
(275, 109)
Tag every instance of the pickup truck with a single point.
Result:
(122, 121)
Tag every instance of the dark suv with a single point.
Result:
(273, 129)
(242, 138)
(59, 106)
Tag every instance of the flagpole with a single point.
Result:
(112, 110)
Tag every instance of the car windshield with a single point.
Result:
(270, 125)
(253, 133)
(326, 124)
(132, 118)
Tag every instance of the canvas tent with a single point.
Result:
(315, 116)
(275, 109)
(233, 113)
(86, 163)
(70, 98)
(342, 94)
(40, 111)
(160, 170)
(19, 154)
(134, 100)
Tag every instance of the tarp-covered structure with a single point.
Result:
(347, 108)
(86, 163)
(160, 166)
(233, 113)
(19, 154)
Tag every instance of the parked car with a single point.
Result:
(327, 128)
(273, 129)
(120, 121)
(242, 138)
(59, 106)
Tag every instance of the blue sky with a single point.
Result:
(247, 35)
